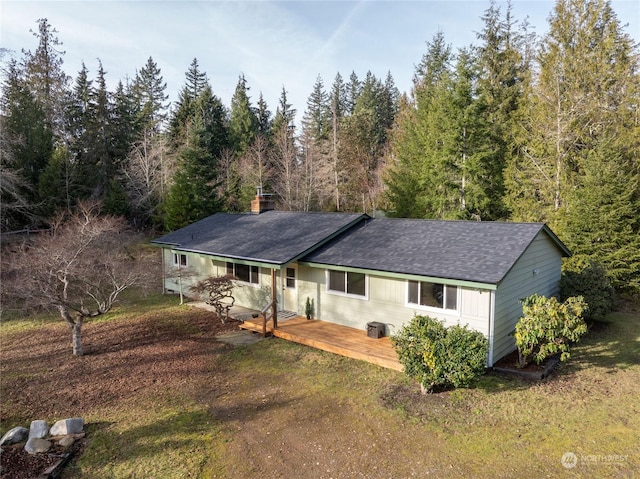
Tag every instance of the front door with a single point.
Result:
(290, 288)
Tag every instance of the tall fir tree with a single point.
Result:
(149, 91)
(338, 106)
(410, 175)
(503, 74)
(603, 220)
(194, 194)
(243, 124)
(46, 78)
(199, 133)
(315, 148)
(26, 136)
(352, 89)
(285, 154)
(195, 82)
(263, 115)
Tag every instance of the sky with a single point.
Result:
(275, 44)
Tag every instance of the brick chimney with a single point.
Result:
(262, 202)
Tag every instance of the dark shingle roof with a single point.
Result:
(482, 252)
(276, 237)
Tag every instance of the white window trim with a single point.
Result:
(345, 294)
(244, 283)
(295, 278)
(176, 260)
(431, 309)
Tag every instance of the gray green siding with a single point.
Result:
(386, 302)
(543, 257)
(200, 266)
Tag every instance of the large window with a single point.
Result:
(433, 295)
(244, 272)
(180, 260)
(348, 283)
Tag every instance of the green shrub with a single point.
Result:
(438, 356)
(547, 327)
(583, 277)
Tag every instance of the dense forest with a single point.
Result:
(516, 127)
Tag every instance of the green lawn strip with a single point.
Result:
(20, 323)
(168, 438)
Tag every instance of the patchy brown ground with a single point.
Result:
(163, 398)
(41, 379)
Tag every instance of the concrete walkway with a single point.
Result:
(239, 338)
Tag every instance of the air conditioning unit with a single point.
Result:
(375, 329)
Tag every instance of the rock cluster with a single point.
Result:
(39, 438)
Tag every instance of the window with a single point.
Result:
(433, 295)
(291, 277)
(179, 259)
(347, 282)
(244, 272)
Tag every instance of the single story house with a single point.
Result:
(357, 269)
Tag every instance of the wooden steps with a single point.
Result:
(255, 325)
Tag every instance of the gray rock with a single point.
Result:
(36, 445)
(14, 436)
(38, 429)
(67, 441)
(72, 425)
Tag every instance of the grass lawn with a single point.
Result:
(163, 399)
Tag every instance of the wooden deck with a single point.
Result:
(334, 338)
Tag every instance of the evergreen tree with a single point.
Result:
(263, 115)
(316, 117)
(202, 121)
(83, 175)
(352, 89)
(285, 155)
(609, 186)
(402, 180)
(57, 182)
(315, 148)
(243, 124)
(194, 193)
(363, 142)
(411, 177)
(285, 115)
(26, 137)
(123, 121)
(503, 72)
(338, 106)
(587, 65)
(195, 82)
(102, 135)
(433, 65)
(149, 92)
(46, 78)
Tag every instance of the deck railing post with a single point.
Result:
(274, 300)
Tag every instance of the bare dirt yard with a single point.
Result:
(163, 398)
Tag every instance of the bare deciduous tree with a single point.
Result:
(148, 175)
(80, 269)
(219, 290)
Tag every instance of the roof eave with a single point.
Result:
(410, 276)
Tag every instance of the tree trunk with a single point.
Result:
(76, 330)
(76, 333)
